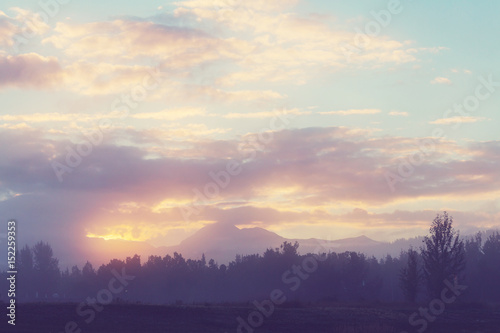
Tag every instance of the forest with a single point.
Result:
(283, 274)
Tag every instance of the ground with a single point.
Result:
(124, 318)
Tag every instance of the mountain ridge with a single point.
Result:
(222, 242)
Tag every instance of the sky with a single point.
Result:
(145, 121)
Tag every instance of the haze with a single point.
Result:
(146, 122)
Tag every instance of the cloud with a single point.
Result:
(465, 71)
(258, 5)
(351, 112)
(231, 96)
(14, 29)
(174, 114)
(35, 71)
(323, 165)
(42, 117)
(15, 126)
(29, 70)
(281, 45)
(259, 45)
(7, 30)
(121, 40)
(330, 176)
(89, 78)
(456, 120)
(265, 114)
(399, 113)
(441, 80)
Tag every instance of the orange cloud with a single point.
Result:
(441, 80)
(456, 120)
(398, 113)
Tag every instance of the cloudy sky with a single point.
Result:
(147, 120)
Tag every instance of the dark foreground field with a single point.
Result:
(304, 319)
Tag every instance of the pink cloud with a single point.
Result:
(29, 70)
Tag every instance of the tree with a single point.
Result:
(75, 271)
(443, 254)
(203, 261)
(289, 250)
(212, 265)
(133, 265)
(27, 277)
(25, 259)
(46, 268)
(354, 270)
(474, 271)
(88, 271)
(410, 277)
(491, 266)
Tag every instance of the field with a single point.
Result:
(44, 317)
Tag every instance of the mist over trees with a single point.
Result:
(415, 276)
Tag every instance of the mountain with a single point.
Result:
(222, 242)
(357, 244)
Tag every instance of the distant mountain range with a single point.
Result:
(223, 241)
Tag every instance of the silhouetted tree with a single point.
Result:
(443, 254)
(491, 267)
(88, 271)
(25, 259)
(203, 260)
(26, 273)
(212, 265)
(289, 250)
(46, 269)
(410, 277)
(354, 271)
(133, 265)
(474, 271)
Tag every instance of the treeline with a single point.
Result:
(414, 276)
